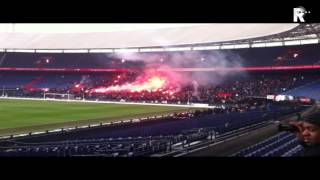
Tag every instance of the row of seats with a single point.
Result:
(191, 130)
(293, 55)
(142, 146)
(282, 144)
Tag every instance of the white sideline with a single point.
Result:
(113, 102)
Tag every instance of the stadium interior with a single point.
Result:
(229, 101)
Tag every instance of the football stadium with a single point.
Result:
(159, 90)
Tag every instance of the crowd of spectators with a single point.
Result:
(232, 91)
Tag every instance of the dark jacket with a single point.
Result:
(310, 150)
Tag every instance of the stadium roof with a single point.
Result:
(76, 36)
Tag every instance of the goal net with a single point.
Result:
(58, 96)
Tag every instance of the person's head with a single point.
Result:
(310, 133)
(311, 129)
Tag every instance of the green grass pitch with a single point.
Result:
(27, 115)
